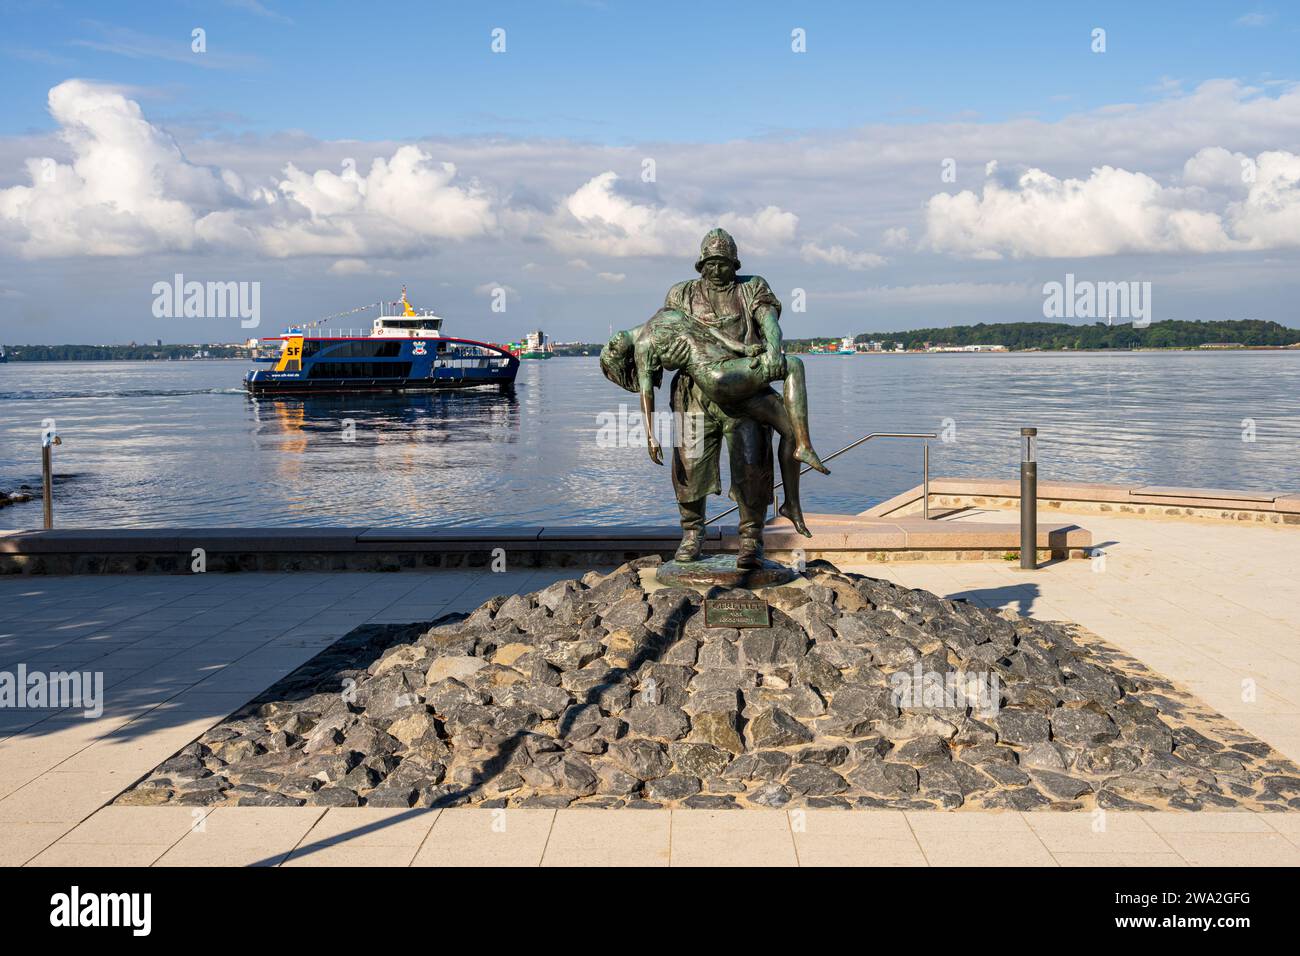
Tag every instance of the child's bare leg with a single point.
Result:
(768, 409)
(796, 404)
(790, 466)
(787, 414)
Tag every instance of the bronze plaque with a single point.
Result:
(736, 612)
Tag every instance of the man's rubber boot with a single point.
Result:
(689, 549)
(750, 555)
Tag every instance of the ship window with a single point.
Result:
(361, 370)
(365, 349)
(424, 322)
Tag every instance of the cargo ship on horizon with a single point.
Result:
(846, 347)
(536, 345)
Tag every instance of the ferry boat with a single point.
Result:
(404, 349)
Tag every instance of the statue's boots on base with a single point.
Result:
(689, 549)
(750, 553)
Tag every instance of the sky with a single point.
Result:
(555, 164)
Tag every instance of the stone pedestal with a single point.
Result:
(719, 570)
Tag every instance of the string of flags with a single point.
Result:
(339, 315)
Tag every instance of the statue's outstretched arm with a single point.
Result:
(769, 324)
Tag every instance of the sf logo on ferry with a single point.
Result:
(417, 348)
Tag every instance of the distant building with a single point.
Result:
(1222, 345)
(966, 348)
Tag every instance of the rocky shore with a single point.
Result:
(24, 493)
(610, 691)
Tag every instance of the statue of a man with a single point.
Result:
(744, 308)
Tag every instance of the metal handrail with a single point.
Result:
(850, 447)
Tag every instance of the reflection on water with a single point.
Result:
(417, 414)
(422, 444)
(180, 444)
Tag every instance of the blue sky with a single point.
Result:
(825, 163)
(627, 72)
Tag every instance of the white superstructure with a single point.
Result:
(405, 322)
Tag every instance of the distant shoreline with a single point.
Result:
(1170, 335)
(16, 359)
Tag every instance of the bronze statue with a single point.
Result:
(722, 336)
(738, 386)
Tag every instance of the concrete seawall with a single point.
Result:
(176, 550)
(892, 531)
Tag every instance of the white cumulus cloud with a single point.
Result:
(130, 190)
(356, 267)
(1269, 216)
(839, 256)
(402, 206)
(596, 219)
(1226, 201)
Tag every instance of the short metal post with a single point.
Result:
(925, 483)
(49, 438)
(46, 486)
(1029, 499)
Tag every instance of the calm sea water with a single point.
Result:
(150, 444)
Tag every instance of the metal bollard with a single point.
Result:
(925, 482)
(1029, 499)
(48, 440)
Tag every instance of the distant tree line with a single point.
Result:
(1014, 335)
(1059, 335)
(101, 353)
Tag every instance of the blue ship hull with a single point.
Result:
(383, 365)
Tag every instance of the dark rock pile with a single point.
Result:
(603, 692)
(15, 497)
